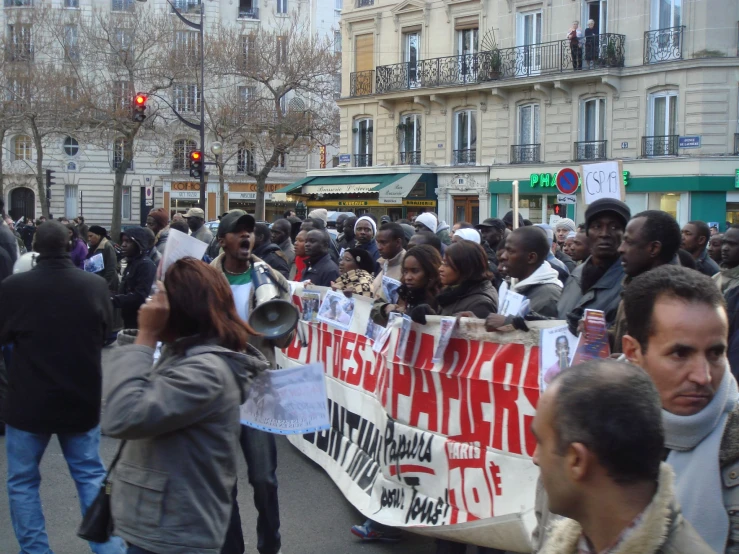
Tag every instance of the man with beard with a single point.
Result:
(322, 271)
(596, 284)
(236, 238)
(695, 237)
(580, 249)
(678, 334)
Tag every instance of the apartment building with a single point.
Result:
(84, 170)
(474, 94)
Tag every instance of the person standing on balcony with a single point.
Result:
(591, 44)
(574, 35)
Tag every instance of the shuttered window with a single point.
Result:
(365, 46)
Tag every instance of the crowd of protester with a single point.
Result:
(639, 454)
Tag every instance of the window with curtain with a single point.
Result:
(245, 159)
(465, 137)
(23, 147)
(528, 124)
(362, 142)
(592, 117)
(126, 203)
(181, 153)
(409, 138)
(663, 116)
(70, 201)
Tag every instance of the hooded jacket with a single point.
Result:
(137, 279)
(543, 290)
(172, 486)
(110, 263)
(478, 297)
(271, 254)
(661, 530)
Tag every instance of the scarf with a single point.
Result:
(357, 280)
(544, 275)
(301, 263)
(727, 278)
(694, 442)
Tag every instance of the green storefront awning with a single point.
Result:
(295, 186)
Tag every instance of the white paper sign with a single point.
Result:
(95, 264)
(603, 180)
(287, 401)
(179, 245)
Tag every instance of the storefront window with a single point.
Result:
(670, 203)
(732, 212)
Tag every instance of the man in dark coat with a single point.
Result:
(138, 277)
(267, 251)
(321, 268)
(57, 318)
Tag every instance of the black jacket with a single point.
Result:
(322, 273)
(8, 242)
(273, 256)
(134, 289)
(57, 318)
(706, 265)
(110, 261)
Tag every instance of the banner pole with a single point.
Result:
(514, 201)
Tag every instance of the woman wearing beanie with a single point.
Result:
(97, 240)
(355, 272)
(562, 228)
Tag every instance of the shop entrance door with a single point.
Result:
(466, 208)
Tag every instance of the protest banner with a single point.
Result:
(603, 180)
(443, 449)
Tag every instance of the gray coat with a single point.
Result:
(542, 298)
(171, 488)
(604, 295)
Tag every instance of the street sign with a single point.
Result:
(149, 195)
(624, 145)
(566, 199)
(345, 158)
(567, 180)
(689, 142)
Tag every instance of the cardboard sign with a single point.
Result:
(603, 180)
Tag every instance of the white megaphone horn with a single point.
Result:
(273, 317)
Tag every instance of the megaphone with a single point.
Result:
(272, 317)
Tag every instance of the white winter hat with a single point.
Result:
(468, 234)
(319, 213)
(429, 220)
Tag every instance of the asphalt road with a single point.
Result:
(316, 518)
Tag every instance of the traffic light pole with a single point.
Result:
(202, 104)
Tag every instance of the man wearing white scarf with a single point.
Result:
(678, 333)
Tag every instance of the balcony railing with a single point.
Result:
(736, 144)
(360, 83)
(19, 54)
(597, 52)
(362, 160)
(665, 145)
(409, 158)
(467, 156)
(365, 3)
(525, 153)
(663, 45)
(590, 150)
(249, 13)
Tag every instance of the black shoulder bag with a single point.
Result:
(97, 524)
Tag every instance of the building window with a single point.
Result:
(248, 9)
(186, 98)
(662, 139)
(409, 139)
(20, 45)
(281, 162)
(185, 6)
(245, 160)
(121, 41)
(18, 3)
(465, 138)
(181, 154)
(186, 44)
(592, 144)
(281, 50)
(122, 5)
(666, 14)
(71, 3)
(70, 202)
(22, 147)
(411, 44)
(248, 46)
(71, 43)
(122, 95)
(282, 6)
(19, 92)
(337, 42)
(126, 203)
(338, 5)
(528, 147)
(528, 35)
(119, 151)
(71, 146)
(362, 142)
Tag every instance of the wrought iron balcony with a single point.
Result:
(663, 45)
(664, 145)
(360, 83)
(525, 153)
(590, 150)
(249, 13)
(736, 144)
(362, 160)
(467, 156)
(19, 54)
(409, 158)
(597, 52)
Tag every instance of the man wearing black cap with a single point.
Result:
(596, 284)
(236, 238)
(138, 277)
(508, 220)
(492, 231)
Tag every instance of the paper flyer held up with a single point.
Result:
(179, 245)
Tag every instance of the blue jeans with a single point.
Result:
(24, 453)
(260, 452)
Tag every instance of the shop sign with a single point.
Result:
(550, 179)
(368, 203)
(252, 187)
(689, 142)
(185, 194)
(322, 151)
(185, 185)
(248, 196)
(736, 180)
(420, 203)
(353, 203)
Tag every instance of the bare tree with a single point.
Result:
(292, 74)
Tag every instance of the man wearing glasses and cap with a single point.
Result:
(196, 222)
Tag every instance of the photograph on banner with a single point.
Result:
(94, 264)
(603, 180)
(373, 330)
(287, 401)
(446, 326)
(178, 246)
(337, 310)
(512, 303)
(311, 301)
(405, 331)
(390, 288)
(556, 350)
(593, 341)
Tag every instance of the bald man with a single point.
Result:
(281, 237)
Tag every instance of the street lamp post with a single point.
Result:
(217, 149)
(200, 28)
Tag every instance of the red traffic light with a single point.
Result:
(140, 99)
(195, 155)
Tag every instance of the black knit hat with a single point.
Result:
(98, 230)
(607, 205)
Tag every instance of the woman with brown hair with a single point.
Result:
(466, 279)
(172, 485)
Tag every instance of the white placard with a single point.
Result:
(603, 180)
(179, 245)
